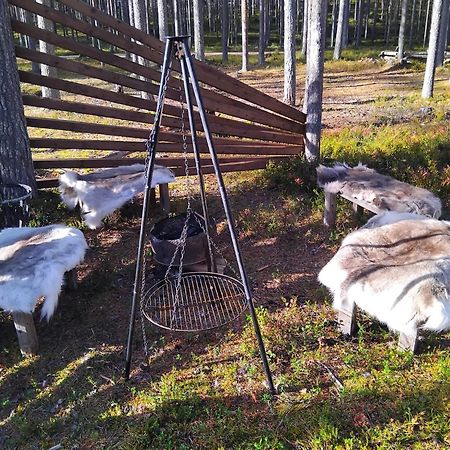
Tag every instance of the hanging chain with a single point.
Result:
(150, 139)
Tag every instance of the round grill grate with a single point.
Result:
(203, 301)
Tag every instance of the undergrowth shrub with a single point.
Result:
(413, 153)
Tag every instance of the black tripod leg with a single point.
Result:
(151, 148)
(229, 216)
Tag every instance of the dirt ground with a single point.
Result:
(283, 242)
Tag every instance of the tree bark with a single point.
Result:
(305, 27)
(244, 21)
(163, 27)
(16, 165)
(262, 37)
(401, 32)
(443, 34)
(199, 32)
(374, 23)
(334, 16)
(314, 79)
(428, 82)
(225, 29)
(289, 51)
(177, 18)
(340, 30)
(44, 47)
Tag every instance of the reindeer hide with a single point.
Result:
(32, 265)
(386, 193)
(398, 273)
(100, 193)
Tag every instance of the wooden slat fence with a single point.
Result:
(250, 128)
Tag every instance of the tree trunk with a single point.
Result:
(346, 21)
(358, 26)
(334, 14)
(177, 18)
(162, 20)
(436, 20)
(244, 21)
(31, 41)
(340, 30)
(443, 34)
(262, 37)
(44, 47)
(199, 32)
(16, 165)
(374, 23)
(305, 27)
(427, 21)
(289, 51)
(411, 25)
(225, 29)
(401, 32)
(314, 78)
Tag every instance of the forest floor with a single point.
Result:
(207, 390)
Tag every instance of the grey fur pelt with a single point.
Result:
(384, 192)
(398, 272)
(100, 193)
(32, 265)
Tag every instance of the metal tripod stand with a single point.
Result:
(179, 45)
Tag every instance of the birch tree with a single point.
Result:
(244, 21)
(45, 47)
(199, 32)
(305, 26)
(289, 51)
(314, 78)
(428, 82)
(16, 165)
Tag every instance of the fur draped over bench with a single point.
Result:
(101, 192)
(396, 270)
(32, 265)
(385, 193)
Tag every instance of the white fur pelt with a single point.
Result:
(385, 218)
(385, 192)
(398, 273)
(32, 265)
(100, 193)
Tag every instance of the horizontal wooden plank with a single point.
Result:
(44, 183)
(91, 91)
(139, 146)
(94, 163)
(212, 100)
(132, 132)
(205, 73)
(217, 125)
(87, 70)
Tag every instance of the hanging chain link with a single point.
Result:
(150, 139)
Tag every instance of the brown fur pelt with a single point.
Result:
(386, 193)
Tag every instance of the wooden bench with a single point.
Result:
(24, 322)
(347, 324)
(329, 217)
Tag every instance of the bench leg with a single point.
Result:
(347, 320)
(329, 218)
(164, 197)
(71, 283)
(408, 342)
(26, 333)
(358, 210)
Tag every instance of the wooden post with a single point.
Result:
(347, 320)
(71, 283)
(26, 333)
(329, 218)
(357, 209)
(164, 198)
(407, 342)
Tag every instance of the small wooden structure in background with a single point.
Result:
(250, 128)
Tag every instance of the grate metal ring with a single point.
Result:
(205, 301)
